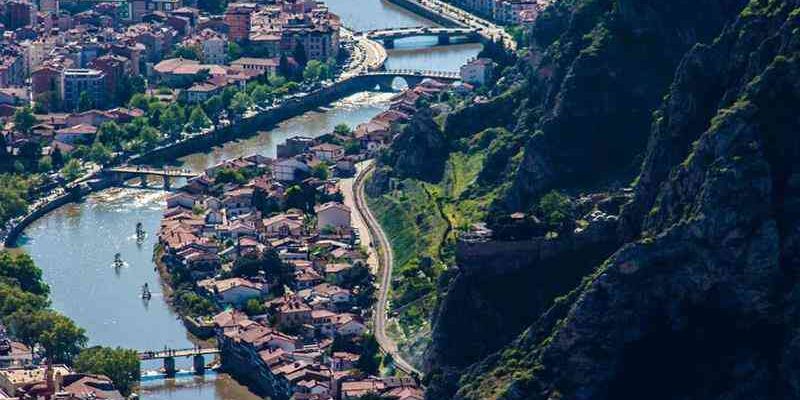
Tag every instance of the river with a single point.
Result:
(75, 245)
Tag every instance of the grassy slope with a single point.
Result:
(418, 218)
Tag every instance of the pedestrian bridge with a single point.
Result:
(168, 356)
(388, 36)
(167, 353)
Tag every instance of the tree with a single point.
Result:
(198, 119)
(149, 137)
(85, 102)
(171, 120)
(140, 101)
(284, 67)
(260, 94)
(369, 360)
(230, 175)
(555, 208)
(24, 119)
(299, 55)
(213, 106)
(247, 266)
(57, 158)
(240, 103)
(110, 133)
(234, 51)
(60, 337)
(72, 169)
(320, 171)
(121, 365)
(187, 52)
(22, 270)
(254, 307)
(313, 71)
(297, 197)
(100, 153)
(342, 129)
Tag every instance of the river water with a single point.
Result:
(75, 245)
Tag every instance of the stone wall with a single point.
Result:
(416, 8)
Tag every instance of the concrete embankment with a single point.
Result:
(77, 193)
(248, 126)
(432, 15)
(259, 122)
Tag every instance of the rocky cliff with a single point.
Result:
(700, 303)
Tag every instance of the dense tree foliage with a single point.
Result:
(121, 365)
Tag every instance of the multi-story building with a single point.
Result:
(509, 12)
(317, 33)
(213, 46)
(238, 19)
(49, 6)
(18, 13)
(115, 68)
(76, 81)
(477, 71)
(12, 69)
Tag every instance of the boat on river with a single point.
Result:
(146, 292)
(140, 233)
(118, 263)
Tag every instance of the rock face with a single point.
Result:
(701, 303)
(597, 84)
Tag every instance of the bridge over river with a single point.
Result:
(124, 172)
(168, 355)
(388, 36)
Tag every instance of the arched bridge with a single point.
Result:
(124, 172)
(388, 36)
(413, 77)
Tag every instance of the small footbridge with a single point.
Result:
(168, 356)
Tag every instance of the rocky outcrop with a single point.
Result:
(419, 150)
(595, 88)
(701, 303)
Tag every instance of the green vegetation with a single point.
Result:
(24, 309)
(14, 190)
(121, 365)
(370, 359)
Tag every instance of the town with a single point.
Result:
(273, 239)
(266, 257)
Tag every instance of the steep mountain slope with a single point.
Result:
(598, 82)
(598, 71)
(701, 303)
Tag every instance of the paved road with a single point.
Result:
(385, 261)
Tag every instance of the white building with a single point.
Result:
(477, 71)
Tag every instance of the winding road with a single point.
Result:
(382, 252)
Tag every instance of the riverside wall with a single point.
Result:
(14, 233)
(423, 11)
(261, 121)
(243, 128)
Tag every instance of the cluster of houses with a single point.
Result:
(281, 212)
(285, 350)
(287, 366)
(62, 62)
(506, 12)
(24, 377)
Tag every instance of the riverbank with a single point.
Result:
(164, 154)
